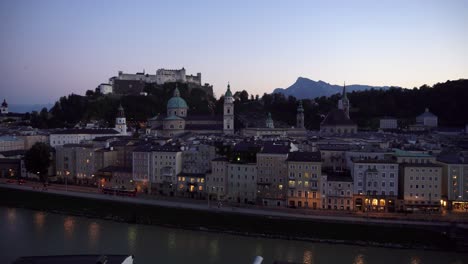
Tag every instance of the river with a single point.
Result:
(27, 233)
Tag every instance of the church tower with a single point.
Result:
(228, 116)
(343, 104)
(121, 122)
(300, 116)
(4, 107)
(269, 121)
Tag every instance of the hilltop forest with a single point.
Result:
(446, 100)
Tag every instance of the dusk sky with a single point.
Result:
(50, 49)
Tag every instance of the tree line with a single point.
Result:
(446, 100)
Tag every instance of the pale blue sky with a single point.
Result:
(53, 48)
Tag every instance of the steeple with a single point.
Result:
(300, 108)
(121, 121)
(228, 116)
(120, 111)
(344, 97)
(269, 121)
(300, 116)
(176, 91)
(228, 91)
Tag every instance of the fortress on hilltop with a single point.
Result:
(134, 83)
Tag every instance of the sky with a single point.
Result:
(50, 49)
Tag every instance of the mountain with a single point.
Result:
(305, 88)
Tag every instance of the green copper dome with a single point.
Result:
(176, 101)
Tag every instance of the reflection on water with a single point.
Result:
(11, 215)
(132, 237)
(39, 219)
(258, 249)
(69, 226)
(415, 260)
(359, 259)
(308, 258)
(93, 234)
(171, 240)
(213, 249)
(69, 235)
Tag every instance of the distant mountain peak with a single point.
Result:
(307, 88)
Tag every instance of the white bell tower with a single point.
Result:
(228, 116)
(121, 121)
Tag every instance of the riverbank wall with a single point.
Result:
(448, 237)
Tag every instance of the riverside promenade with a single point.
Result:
(83, 192)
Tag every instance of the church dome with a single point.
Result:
(176, 101)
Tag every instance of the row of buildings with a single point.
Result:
(272, 173)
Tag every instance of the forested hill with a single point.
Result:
(71, 109)
(449, 101)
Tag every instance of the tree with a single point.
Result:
(89, 93)
(244, 96)
(37, 160)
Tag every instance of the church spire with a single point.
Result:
(344, 92)
(176, 91)
(120, 110)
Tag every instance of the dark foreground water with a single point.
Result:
(25, 233)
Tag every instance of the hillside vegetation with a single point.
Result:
(446, 100)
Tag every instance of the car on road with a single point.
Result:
(21, 182)
(11, 181)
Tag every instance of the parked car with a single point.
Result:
(11, 181)
(21, 182)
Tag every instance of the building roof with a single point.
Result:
(337, 147)
(453, 157)
(173, 117)
(426, 114)
(204, 127)
(337, 117)
(272, 148)
(304, 156)
(9, 138)
(157, 148)
(192, 117)
(12, 153)
(100, 131)
(246, 146)
(417, 165)
(403, 153)
(374, 161)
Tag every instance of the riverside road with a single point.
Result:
(461, 220)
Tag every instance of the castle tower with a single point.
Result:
(4, 107)
(120, 121)
(300, 116)
(343, 103)
(269, 121)
(228, 116)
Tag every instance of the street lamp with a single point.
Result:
(66, 178)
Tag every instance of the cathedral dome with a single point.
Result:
(176, 101)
